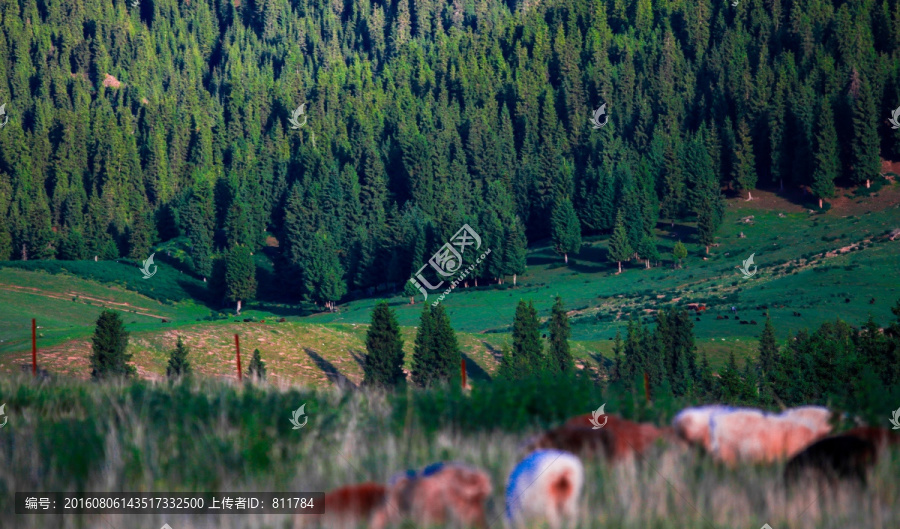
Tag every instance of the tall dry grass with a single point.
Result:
(216, 436)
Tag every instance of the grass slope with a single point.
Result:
(838, 264)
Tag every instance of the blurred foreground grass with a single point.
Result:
(219, 437)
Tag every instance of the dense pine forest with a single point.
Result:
(135, 123)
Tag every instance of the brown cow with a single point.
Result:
(345, 508)
(444, 493)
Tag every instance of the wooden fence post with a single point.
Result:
(33, 347)
(237, 346)
(463, 366)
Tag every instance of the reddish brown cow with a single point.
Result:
(345, 508)
(617, 440)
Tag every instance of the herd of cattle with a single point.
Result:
(545, 486)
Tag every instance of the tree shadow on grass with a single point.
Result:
(331, 372)
(475, 371)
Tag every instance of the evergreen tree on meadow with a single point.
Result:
(526, 357)
(141, 236)
(619, 248)
(618, 360)
(730, 384)
(178, 365)
(647, 250)
(383, 365)
(240, 276)
(436, 357)
(826, 164)
(424, 363)
(679, 252)
(865, 144)
(706, 382)
(768, 356)
(108, 346)
(447, 355)
(565, 228)
(559, 356)
(257, 368)
(743, 171)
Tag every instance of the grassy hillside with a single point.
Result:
(839, 264)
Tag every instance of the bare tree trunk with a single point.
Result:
(412, 300)
(620, 267)
(648, 264)
(820, 203)
(514, 279)
(867, 183)
(476, 282)
(239, 307)
(566, 256)
(707, 250)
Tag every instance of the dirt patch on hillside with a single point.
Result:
(792, 202)
(105, 303)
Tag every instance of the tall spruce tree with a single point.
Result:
(108, 346)
(240, 275)
(865, 144)
(826, 164)
(559, 357)
(565, 228)
(257, 368)
(178, 365)
(383, 365)
(423, 362)
(447, 355)
(619, 248)
(526, 356)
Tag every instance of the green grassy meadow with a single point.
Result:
(837, 264)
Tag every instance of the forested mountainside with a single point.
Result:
(364, 134)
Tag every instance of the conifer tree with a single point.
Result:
(559, 357)
(383, 365)
(141, 237)
(865, 145)
(826, 164)
(743, 172)
(446, 352)
(178, 365)
(109, 343)
(706, 381)
(679, 252)
(526, 356)
(257, 368)
(730, 381)
(619, 249)
(616, 375)
(423, 362)
(240, 275)
(565, 228)
(647, 250)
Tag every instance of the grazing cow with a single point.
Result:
(580, 440)
(544, 487)
(345, 508)
(752, 436)
(622, 438)
(693, 424)
(882, 438)
(841, 457)
(441, 494)
(816, 417)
